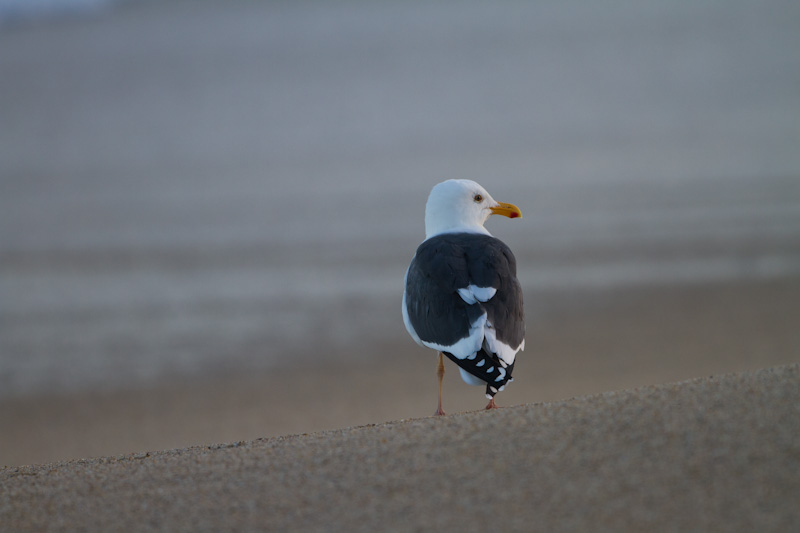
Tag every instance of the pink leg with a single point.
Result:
(491, 405)
(440, 375)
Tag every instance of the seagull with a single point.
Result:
(462, 297)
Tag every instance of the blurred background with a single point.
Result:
(207, 208)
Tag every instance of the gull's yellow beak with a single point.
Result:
(507, 210)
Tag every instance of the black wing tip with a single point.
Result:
(487, 367)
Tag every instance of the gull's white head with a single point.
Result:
(462, 206)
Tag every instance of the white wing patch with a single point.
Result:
(469, 345)
(506, 353)
(474, 294)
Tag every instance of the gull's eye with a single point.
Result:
(478, 198)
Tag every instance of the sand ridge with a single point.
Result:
(717, 453)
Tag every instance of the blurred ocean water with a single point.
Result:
(19, 10)
(189, 188)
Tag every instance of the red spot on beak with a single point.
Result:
(513, 215)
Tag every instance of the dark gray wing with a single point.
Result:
(435, 310)
(449, 262)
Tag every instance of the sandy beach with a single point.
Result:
(712, 454)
